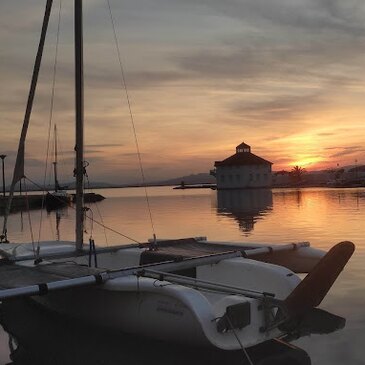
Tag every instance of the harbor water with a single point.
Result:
(321, 216)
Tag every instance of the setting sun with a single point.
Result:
(306, 161)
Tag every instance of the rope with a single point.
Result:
(124, 86)
(102, 221)
(91, 222)
(247, 356)
(97, 207)
(113, 230)
(50, 121)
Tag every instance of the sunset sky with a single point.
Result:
(285, 76)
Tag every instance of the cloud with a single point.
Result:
(284, 107)
(201, 75)
(326, 134)
(334, 148)
(311, 15)
(105, 145)
(347, 151)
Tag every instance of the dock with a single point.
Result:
(34, 201)
(90, 198)
(196, 186)
(21, 202)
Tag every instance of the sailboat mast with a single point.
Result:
(79, 148)
(19, 163)
(56, 185)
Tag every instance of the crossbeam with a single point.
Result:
(65, 255)
(104, 276)
(204, 284)
(252, 252)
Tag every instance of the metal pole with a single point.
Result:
(3, 165)
(56, 185)
(19, 164)
(79, 148)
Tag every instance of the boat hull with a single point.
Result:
(156, 316)
(168, 310)
(55, 201)
(71, 344)
(178, 313)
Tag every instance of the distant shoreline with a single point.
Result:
(174, 185)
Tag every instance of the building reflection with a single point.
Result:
(55, 217)
(245, 206)
(291, 196)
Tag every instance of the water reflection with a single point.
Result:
(321, 216)
(45, 338)
(245, 206)
(316, 321)
(300, 197)
(41, 337)
(292, 197)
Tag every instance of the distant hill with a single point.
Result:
(190, 179)
(93, 185)
(68, 186)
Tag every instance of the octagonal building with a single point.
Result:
(243, 170)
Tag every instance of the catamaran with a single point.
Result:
(222, 294)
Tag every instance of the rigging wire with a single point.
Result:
(246, 355)
(97, 207)
(62, 154)
(113, 230)
(50, 120)
(29, 217)
(43, 187)
(91, 218)
(124, 86)
(50, 172)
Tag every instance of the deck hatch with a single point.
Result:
(236, 316)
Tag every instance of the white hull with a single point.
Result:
(171, 312)
(165, 310)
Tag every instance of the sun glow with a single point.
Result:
(306, 161)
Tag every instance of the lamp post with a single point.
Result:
(3, 166)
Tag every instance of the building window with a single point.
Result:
(265, 176)
(238, 178)
(257, 177)
(230, 178)
(222, 178)
(251, 177)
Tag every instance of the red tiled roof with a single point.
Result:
(243, 158)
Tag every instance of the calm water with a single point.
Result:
(321, 216)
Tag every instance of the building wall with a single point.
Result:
(247, 176)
